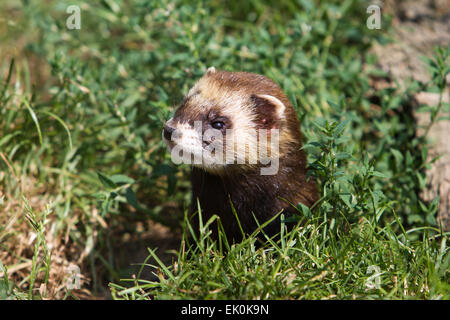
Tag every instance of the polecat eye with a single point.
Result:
(219, 125)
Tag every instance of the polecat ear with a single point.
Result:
(268, 109)
(210, 71)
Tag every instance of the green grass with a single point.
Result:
(81, 113)
(305, 265)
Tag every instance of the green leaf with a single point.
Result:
(304, 209)
(106, 182)
(130, 195)
(163, 169)
(398, 157)
(35, 119)
(121, 179)
(342, 155)
(347, 199)
(379, 174)
(63, 124)
(340, 128)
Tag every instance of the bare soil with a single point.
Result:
(419, 26)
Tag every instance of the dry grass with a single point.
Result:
(17, 237)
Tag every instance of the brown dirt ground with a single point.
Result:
(419, 26)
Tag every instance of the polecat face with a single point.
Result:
(230, 120)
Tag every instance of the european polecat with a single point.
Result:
(242, 137)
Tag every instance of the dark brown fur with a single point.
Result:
(262, 195)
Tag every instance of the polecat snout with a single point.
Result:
(242, 137)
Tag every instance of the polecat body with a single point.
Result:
(242, 137)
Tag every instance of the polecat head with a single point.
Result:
(232, 121)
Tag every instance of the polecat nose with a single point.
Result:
(167, 132)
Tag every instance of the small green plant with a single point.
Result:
(8, 290)
(41, 255)
(439, 68)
